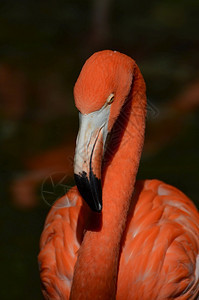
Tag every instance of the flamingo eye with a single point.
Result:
(110, 99)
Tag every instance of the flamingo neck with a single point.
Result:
(95, 275)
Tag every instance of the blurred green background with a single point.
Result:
(43, 45)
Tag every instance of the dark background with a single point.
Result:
(43, 45)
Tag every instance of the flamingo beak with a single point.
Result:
(88, 156)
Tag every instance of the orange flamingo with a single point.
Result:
(131, 240)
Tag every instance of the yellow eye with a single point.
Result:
(110, 99)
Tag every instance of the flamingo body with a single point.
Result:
(159, 255)
(127, 240)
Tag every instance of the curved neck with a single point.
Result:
(95, 275)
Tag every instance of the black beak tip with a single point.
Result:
(98, 209)
(90, 189)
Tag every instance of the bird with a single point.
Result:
(112, 237)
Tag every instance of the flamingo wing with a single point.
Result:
(59, 244)
(160, 252)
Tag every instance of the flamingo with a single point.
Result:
(110, 236)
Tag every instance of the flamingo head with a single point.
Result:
(100, 92)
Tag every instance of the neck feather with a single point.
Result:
(95, 275)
